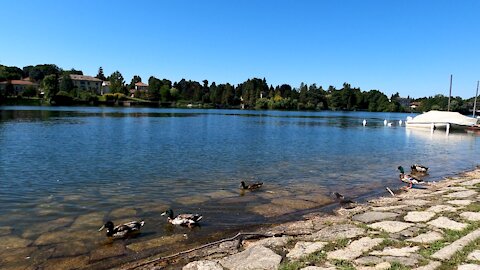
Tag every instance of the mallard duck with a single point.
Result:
(189, 220)
(122, 230)
(344, 202)
(407, 178)
(420, 169)
(251, 186)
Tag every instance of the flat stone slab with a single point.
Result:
(387, 208)
(379, 266)
(331, 233)
(461, 194)
(446, 223)
(460, 202)
(302, 249)
(257, 257)
(416, 202)
(391, 226)
(426, 238)
(355, 249)
(469, 266)
(369, 217)
(432, 265)
(441, 208)
(419, 216)
(447, 252)
(471, 182)
(396, 252)
(474, 255)
(271, 242)
(471, 216)
(203, 265)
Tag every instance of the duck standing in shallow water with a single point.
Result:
(251, 186)
(122, 230)
(189, 220)
(419, 169)
(407, 178)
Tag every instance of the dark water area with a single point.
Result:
(64, 171)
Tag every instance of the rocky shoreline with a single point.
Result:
(425, 229)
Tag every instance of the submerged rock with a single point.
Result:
(66, 263)
(12, 242)
(4, 230)
(108, 251)
(122, 213)
(71, 248)
(270, 210)
(191, 200)
(89, 221)
(156, 242)
(294, 203)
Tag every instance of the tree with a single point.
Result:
(50, 86)
(117, 82)
(66, 83)
(10, 73)
(38, 72)
(100, 74)
(134, 80)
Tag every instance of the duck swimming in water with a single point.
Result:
(407, 178)
(122, 230)
(189, 220)
(250, 186)
(419, 169)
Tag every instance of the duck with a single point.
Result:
(407, 178)
(344, 202)
(419, 169)
(122, 230)
(189, 220)
(251, 186)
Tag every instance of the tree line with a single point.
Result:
(254, 93)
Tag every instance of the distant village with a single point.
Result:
(54, 85)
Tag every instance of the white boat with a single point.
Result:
(441, 120)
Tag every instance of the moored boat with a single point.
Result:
(441, 120)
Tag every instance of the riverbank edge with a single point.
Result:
(323, 241)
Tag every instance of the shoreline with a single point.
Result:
(375, 223)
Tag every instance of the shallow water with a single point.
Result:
(64, 171)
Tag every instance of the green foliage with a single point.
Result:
(66, 83)
(30, 91)
(100, 74)
(10, 73)
(117, 83)
(39, 72)
(134, 80)
(50, 86)
(62, 98)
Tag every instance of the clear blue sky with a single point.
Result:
(407, 46)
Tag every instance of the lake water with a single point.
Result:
(64, 171)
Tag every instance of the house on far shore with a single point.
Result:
(415, 105)
(105, 88)
(87, 83)
(18, 86)
(140, 86)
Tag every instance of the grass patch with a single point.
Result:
(318, 257)
(291, 265)
(398, 266)
(344, 265)
(473, 207)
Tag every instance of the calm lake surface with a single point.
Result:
(64, 171)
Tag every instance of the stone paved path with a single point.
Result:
(424, 229)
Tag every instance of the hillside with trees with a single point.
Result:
(56, 86)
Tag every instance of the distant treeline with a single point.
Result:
(255, 93)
